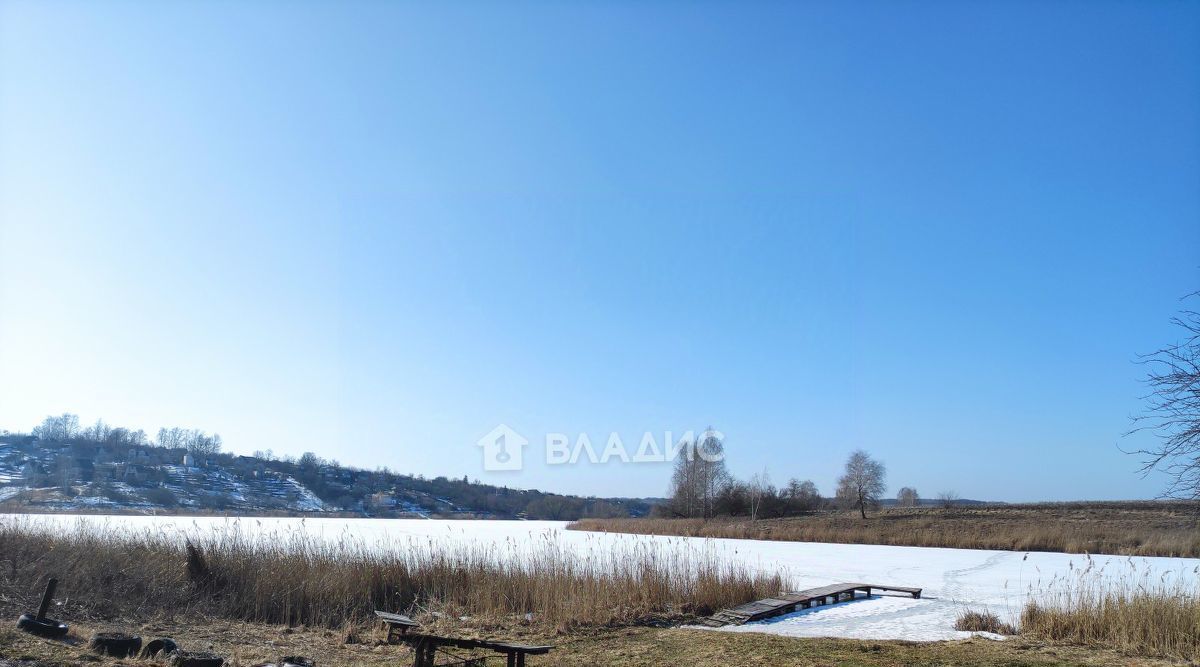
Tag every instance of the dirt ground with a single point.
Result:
(245, 645)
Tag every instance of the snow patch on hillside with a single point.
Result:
(307, 501)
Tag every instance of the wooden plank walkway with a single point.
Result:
(790, 602)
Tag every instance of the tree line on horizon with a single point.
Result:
(702, 487)
(66, 428)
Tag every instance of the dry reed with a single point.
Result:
(1122, 529)
(1137, 613)
(297, 578)
(970, 620)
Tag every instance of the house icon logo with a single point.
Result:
(502, 449)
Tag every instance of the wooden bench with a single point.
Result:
(425, 648)
(397, 624)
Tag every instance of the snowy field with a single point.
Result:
(953, 579)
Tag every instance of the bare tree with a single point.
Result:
(802, 496)
(198, 443)
(202, 445)
(907, 497)
(713, 474)
(758, 490)
(684, 495)
(947, 499)
(310, 461)
(123, 436)
(63, 427)
(699, 476)
(65, 473)
(97, 433)
(171, 438)
(863, 482)
(1173, 410)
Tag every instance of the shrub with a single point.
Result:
(161, 496)
(983, 621)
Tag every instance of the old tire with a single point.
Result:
(296, 661)
(115, 644)
(195, 659)
(46, 627)
(156, 647)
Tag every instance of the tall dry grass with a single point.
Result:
(1163, 531)
(970, 620)
(1138, 614)
(297, 578)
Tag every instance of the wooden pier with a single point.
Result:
(790, 602)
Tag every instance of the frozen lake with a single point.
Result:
(1000, 581)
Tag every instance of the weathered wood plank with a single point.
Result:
(398, 619)
(789, 602)
(499, 647)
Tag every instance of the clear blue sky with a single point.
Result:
(939, 231)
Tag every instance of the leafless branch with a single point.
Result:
(1172, 411)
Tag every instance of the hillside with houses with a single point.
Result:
(59, 467)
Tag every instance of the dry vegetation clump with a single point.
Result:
(297, 578)
(1135, 529)
(983, 621)
(1137, 615)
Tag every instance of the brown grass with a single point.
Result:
(983, 621)
(1136, 615)
(246, 644)
(299, 579)
(1136, 529)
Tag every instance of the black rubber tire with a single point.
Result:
(115, 644)
(296, 661)
(47, 627)
(195, 659)
(156, 647)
